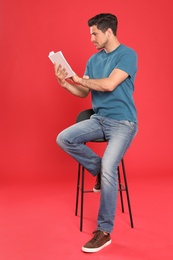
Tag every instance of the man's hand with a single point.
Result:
(78, 80)
(69, 84)
(60, 73)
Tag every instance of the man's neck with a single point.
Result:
(112, 45)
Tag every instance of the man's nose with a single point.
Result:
(92, 38)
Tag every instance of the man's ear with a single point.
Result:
(109, 32)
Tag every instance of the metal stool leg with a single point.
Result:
(80, 186)
(77, 189)
(120, 189)
(127, 193)
(82, 198)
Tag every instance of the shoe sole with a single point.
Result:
(94, 250)
(96, 191)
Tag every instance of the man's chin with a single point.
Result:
(98, 47)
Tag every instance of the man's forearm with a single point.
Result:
(104, 84)
(77, 90)
(97, 84)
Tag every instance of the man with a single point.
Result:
(109, 76)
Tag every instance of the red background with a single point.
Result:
(34, 108)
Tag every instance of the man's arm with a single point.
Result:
(77, 90)
(105, 84)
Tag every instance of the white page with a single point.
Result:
(58, 58)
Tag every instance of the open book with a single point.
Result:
(58, 58)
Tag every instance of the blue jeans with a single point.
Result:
(119, 135)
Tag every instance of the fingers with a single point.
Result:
(85, 77)
(60, 72)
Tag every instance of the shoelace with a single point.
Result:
(98, 235)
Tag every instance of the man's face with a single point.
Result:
(99, 38)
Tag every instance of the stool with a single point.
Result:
(122, 180)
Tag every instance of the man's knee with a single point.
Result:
(63, 139)
(60, 139)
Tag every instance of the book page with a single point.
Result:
(58, 58)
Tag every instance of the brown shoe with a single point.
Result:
(98, 242)
(97, 186)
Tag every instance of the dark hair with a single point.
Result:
(104, 21)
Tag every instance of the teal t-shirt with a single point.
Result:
(118, 104)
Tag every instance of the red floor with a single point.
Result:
(37, 221)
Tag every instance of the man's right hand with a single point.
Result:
(61, 74)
